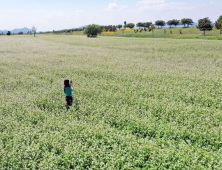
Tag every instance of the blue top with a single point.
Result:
(68, 91)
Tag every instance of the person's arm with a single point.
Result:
(71, 85)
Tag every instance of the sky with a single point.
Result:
(48, 15)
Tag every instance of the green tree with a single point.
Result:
(130, 25)
(114, 28)
(174, 22)
(189, 22)
(204, 25)
(9, 33)
(110, 27)
(119, 26)
(218, 24)
(104, 30)
(107, 28)
(92, 30)
(186, 21)
(160, 23)
(147, 25)
(152, 27)
(139, 24)
(170, 23)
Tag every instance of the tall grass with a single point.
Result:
(139, 103)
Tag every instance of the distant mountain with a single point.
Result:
(24, 30)
(4, 31)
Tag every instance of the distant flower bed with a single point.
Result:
(109, 33)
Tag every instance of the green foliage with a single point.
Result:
(171, 31)
(130, 25)
(180, 31)
(205, 25)
(173, 22)
(114, 28)
(119, 26)
(152, 27)
(9, 33)
(20, 33)
(104, 30)
(92, 30)
(218, 24)
(160, 23)
(139, 24)
(147, 24)
(186, 21)
(164, 31)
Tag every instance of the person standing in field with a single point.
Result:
(68, 88)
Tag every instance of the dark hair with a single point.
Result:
(66, 83)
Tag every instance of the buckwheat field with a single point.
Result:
(138, 103)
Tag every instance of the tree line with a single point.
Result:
(204, 25)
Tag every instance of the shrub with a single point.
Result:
(92, 30)
(9, 33)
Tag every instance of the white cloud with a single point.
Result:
(162, 5)
(114, 6)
